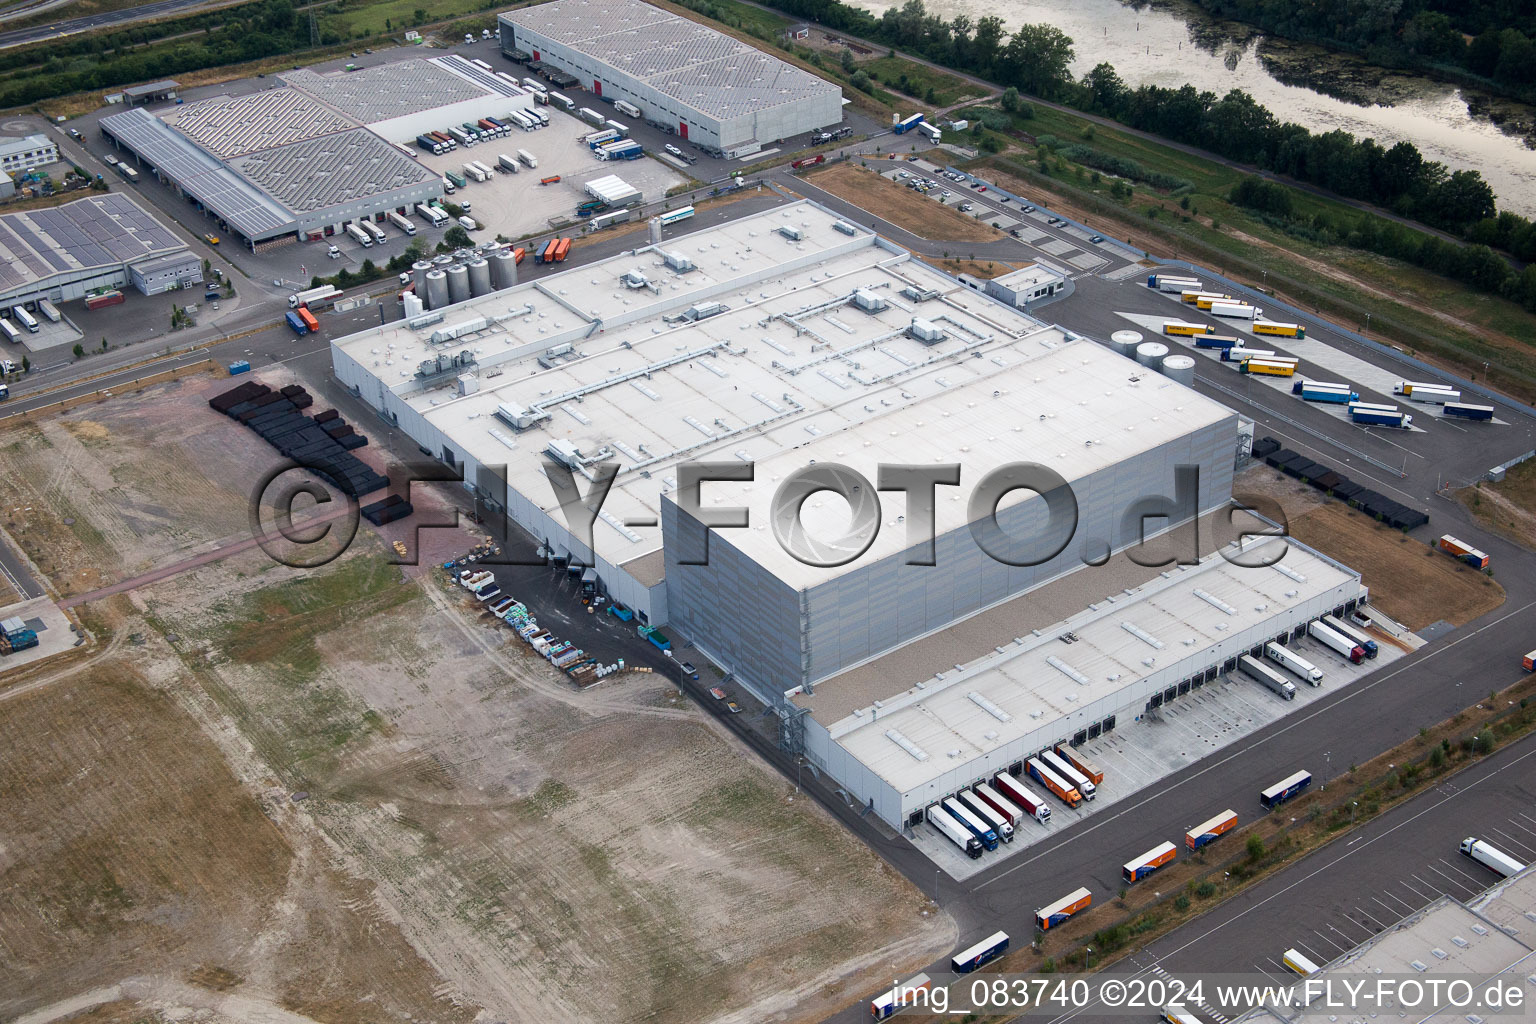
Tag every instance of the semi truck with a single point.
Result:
(1194, 298)
(970, 820)
(1319, 391)
(601, 138)
(1375, 415)
(437, 218)
(1218, 341)
(1267, 677)
(1273, 366)
(1294, 663)
(430, 144)
(563, 101)
(527, 158)
(905, 124)
(323, 296)
(508, 163)
(1212, 830)
(402, 222)
(1237, 353)
(1480, 851)
(952, 830)
(1182, 329)
(931, 132)
(999, 803)
(363, 238)
(24, 318)
(458, 180)
(1141, 867)
(1278, 330)
(1335, 641)
(1055, 913)
(1170, 283)
(983, 810)
(1058, 786)
(12, 335)
(1462, 410)
(1081, 763)
(1350, 632)
(626, 150)
(1234, 310)
(1080, 782)
(1434, 394)
(1463, 551)
(374, 230)
(1015, 791)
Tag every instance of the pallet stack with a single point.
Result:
(322, 443)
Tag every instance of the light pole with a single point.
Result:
(1367, 323)
(1327, 766)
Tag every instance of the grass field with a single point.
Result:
(903, 207)
(1507, 507)
(946, 89)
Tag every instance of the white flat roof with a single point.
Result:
(1037, 679)
(791, 371)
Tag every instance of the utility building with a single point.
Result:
(721, 94)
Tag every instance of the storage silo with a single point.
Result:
(504, 270)
(655, 226)
(437, 290)
(479, 278)
(1151, 353)
(1180, 368)
(419, 271)
(458, 285)
(442, 262)
(1125, 342)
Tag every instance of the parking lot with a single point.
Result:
(1147, 748)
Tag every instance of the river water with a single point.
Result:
(1157, 47)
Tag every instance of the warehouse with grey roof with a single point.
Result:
(713, 90)
(301, 160)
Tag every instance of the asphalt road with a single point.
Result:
(74, 26)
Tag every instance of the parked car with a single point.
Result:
(73, 134)
(1054, 220)
(1027, 208)
(211, 239)
(673, 150)
(1096, 238)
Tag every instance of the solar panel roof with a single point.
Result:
(97, 232)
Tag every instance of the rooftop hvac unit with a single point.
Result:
(635, 279)
(677, 261)
(704, 310)
(468, 384)
(926, 331)
(869, 301)
(518, 418)
(917, 294)
(844, 227)
(794, 234)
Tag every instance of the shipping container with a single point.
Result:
(1336, 642)
(1294, 663)
(310, 322)
(239, 366)
(562, 249)
(1267, 677)
(1285, 789)
(1529, 662)
(909, 993)
(1053, 914)
(1058, 786)
(295, 324)
(1210, 831)
(1169, 283)
(1141, 867)
(981, 954)
(102, 299)
(1032, 803)
(952, 830)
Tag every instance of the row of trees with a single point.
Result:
(1493, 40)
(1037, 59)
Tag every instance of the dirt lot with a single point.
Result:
(901, 206)
(1508, 507)
(474, 836)
(984, 269)
(1409, 581)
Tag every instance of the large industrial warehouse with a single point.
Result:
(791, 338)
(101, 241)
(301, 160)
(719, 93)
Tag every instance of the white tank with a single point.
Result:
(504, 270)
(1180, 368)
(437, 290)
(479, 278)
(1125, 342)
(655, 226)
(458, 284)
(419, 271)
(1151, 353)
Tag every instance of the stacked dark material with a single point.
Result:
(322, 443)
(1331, 481)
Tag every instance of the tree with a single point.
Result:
(1010, 100)
(79, 350)
(988, 42)
(1461, 199)
(860, 81)
(456, 236)
(1106, 92)
(26, 365)
(1038, 58)
(846, 59)
(1256, 847)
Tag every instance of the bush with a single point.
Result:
(1256, 848)
(1205, 890)
(1181, 902)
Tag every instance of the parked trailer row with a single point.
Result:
(1267, 677)
(1160, 855)
(1053, 914)
(1170, 283)
(1212, 830)
(1076, 779)
(1351, 632)
(1031, 803)
(952, 830)
(1372, 414)
(1294, 663)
